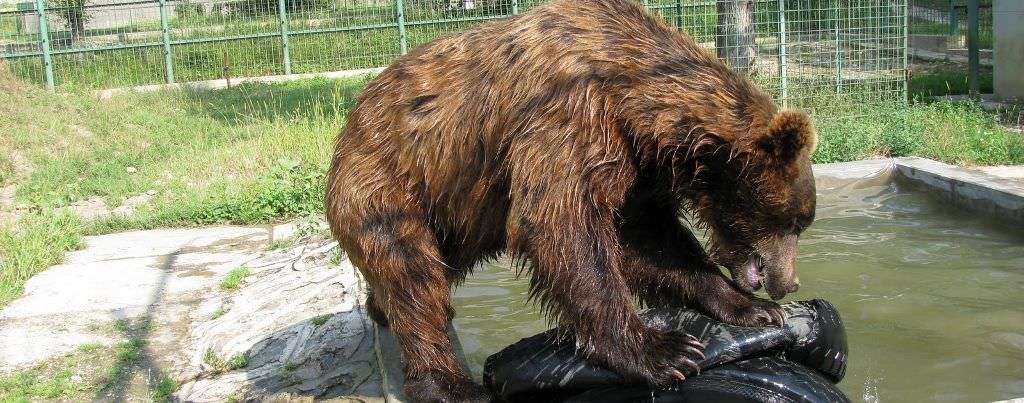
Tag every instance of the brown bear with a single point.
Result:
(571, 137)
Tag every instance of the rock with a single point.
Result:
(132, 170)
(270, 321)
(91, 208)
(151, 192)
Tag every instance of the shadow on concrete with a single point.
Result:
(119, 388)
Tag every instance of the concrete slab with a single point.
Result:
(995, 192)
(116, 277)
(221, 83)
(297, 316)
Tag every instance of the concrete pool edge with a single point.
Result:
(998, 196)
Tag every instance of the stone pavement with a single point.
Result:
(297, 318)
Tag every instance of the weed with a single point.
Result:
(281, 243)
(129, 351)
(234, 278)
(122, 325)
(319, 320)
(35, 383)
(210, 358)
(89, 347)
(38, 240)
(163, 389)
(287, 374)
(219, 365)
(218, 313)
(336, 257)
(238, 361)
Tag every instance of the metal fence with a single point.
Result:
(828, 56)
(939, 28)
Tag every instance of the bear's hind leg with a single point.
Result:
(411, 292)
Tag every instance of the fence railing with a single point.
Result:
(823, 55)
(953, 30)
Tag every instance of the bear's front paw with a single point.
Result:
(436, 388)
(671, 356)
(755, 312)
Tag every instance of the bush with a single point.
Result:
(291, 189)
(187, 9)
(253, 8)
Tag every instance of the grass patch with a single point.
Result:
(38, 241)
(234, 278)
(960, 133)
(247, 155)
(89, 347)
(91, 372)
(336, 257)
(219, 365)
(281, 243)
(320, 320)
(163, 389)
(218, 313)
(946, 80)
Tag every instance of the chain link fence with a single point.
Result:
(827, 56)
(939, 28)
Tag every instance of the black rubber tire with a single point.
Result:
(761, 379)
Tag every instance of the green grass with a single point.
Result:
(164, 387)
(947, 80)
(234, 278)
(218, 313)
(319, 320)
(251, 154)
(219, 365)
(960, 133)
(37, 383)
(91, 372)
(39, 241)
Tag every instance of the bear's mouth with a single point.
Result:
(751, 273)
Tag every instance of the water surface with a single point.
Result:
(932, 297)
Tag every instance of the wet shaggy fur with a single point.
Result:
(569, 137)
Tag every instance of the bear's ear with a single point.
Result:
(789, 133)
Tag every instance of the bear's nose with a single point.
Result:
(793, 287)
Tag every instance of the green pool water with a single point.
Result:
(932, 297)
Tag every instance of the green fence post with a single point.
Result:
(44, 43)
(165, 27)
(839, 54)
(282, 16)
(515, 7)
(782, 53)
(679, 15)
(402, 44)
(954, 25)
(906, 50)
(973, 43)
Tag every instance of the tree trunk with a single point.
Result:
(77, 28)
(734, 35)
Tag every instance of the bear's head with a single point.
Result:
(760, 203)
